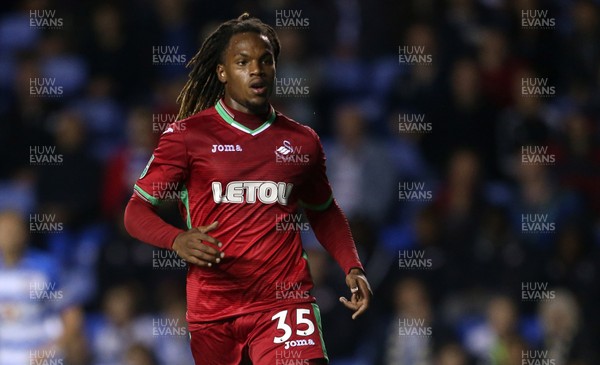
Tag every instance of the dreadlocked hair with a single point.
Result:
(203, 88)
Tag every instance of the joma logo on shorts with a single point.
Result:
(296, 343)
(237, 192)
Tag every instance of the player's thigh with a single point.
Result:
(214, 344)
(288, 335)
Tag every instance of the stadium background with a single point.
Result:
(470, 173)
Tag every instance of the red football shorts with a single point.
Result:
(290, 334)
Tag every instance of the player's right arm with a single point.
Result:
(164, 174)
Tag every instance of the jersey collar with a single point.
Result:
(228, 117)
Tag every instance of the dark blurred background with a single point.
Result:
(494, 126)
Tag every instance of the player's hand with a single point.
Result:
(361, 292)
(197, 247)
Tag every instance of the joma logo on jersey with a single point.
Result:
(237, 192)
(226, 148)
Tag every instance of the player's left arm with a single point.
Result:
(333, 231)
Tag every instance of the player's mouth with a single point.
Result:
(259, 87)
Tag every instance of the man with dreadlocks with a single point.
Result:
(242, 170)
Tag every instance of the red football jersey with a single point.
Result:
(251, 181)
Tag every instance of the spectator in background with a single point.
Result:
(125, 165)
(358, 167)
(119, 326)
(407, 336)
(451, 354)
(492, 341)
(526, 122)
(139, 354)
(578, 159)
(460, 204)
(563, 334)
(498, 68)
(464, 120)
(35, 323)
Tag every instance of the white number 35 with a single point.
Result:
(287, 330)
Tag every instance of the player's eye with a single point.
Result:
(241, 62)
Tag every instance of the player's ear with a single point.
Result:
(221, 74)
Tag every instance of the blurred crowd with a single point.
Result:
(70, 158)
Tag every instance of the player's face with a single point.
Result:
(248, 71)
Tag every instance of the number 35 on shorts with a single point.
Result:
(298, 326)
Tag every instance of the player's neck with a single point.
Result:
(249, 120)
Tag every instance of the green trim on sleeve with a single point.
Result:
(185, 199)
(318, 207)
(154, 201)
